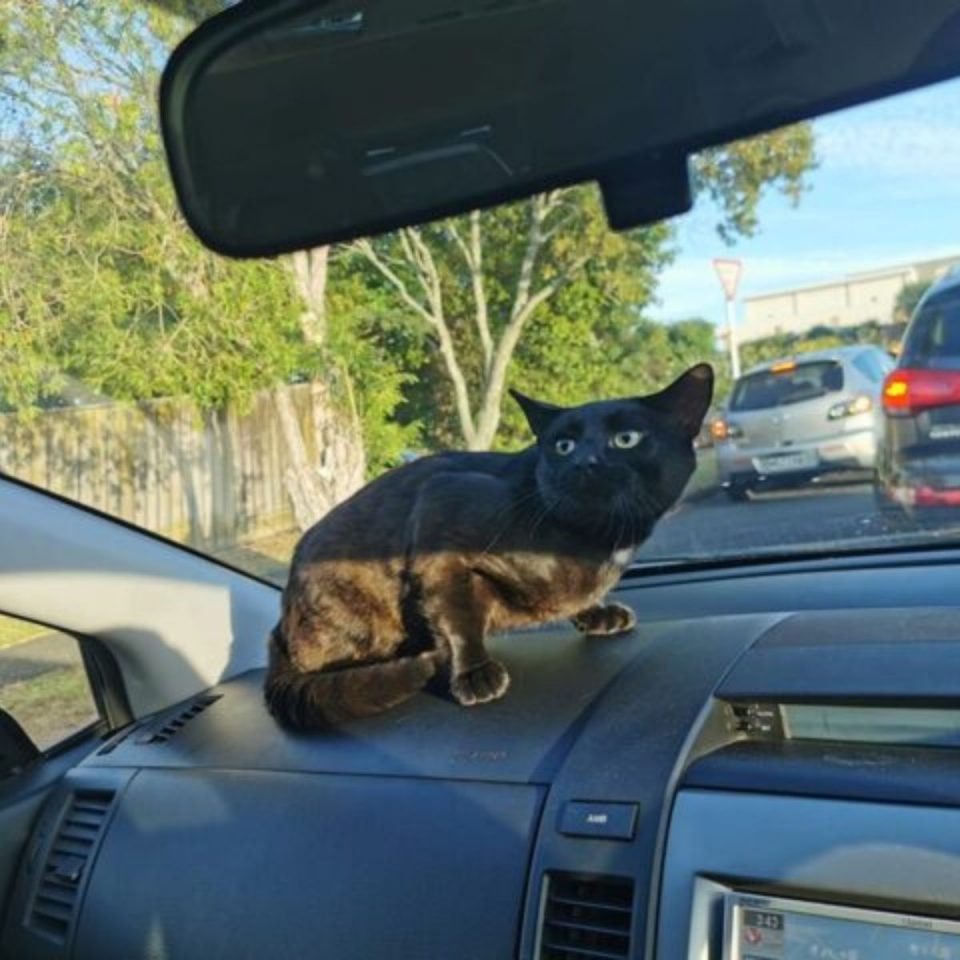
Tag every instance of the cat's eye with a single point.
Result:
(626, 439)
(564, 446)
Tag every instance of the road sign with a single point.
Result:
(729, 273)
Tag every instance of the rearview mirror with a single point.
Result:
(294, 123)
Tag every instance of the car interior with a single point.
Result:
(763, 768)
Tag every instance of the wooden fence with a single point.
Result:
(210, 480)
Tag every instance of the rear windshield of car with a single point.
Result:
(768, 388)
(934, 338)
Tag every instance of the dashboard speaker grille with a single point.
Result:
(586, 917)
(56, 897)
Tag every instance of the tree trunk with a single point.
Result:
(303, 485)
(318, 480)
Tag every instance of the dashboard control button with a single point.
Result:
(608, 821)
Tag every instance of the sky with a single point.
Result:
(887, 190)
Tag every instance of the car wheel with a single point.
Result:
(738, 492)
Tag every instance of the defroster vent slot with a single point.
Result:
(177, 721)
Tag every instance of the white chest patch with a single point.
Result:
(624, 556)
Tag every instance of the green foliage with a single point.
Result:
(909, 298)
(633, 356)
(103, 282)
(376, 358)
(736, 176)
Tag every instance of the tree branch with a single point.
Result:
(434, 317)
(479, 290)
(525, 307)
(365, 247)
(538, 206)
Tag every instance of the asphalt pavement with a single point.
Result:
(36, 656)
(811, 517)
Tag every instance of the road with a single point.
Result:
(39, 655)
(810, 517)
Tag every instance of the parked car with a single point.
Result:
(919, 461)
(795, 419)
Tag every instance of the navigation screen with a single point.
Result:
(774, 929)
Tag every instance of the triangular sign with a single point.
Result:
(729, 273)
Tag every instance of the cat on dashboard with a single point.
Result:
(406, 579)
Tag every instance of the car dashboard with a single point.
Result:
(766, 762)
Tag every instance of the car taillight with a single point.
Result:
(907, 391)
(850, 408)
(724, 430)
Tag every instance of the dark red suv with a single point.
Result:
(919, 456)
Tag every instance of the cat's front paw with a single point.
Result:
(482, 684)
(605, 620)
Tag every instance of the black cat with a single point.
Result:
(413, 572)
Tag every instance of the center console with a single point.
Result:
(759, 877)
(818, 813)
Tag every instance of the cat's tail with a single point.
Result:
(317, 699)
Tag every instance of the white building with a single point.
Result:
(848, 302)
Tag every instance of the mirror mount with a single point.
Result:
(641, 191)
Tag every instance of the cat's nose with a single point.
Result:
(589, 462)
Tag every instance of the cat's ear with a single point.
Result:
(539, 414)
(687, 399)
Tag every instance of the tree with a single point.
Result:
(476, 283)
(103, 281)
(909, 298)
(482, 285)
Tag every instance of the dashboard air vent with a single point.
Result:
(56, 896)
(174, 724)
(586, 917)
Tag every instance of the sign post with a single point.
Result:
(729, 272)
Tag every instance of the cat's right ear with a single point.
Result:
(539, 415)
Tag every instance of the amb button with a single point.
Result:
(608, 821)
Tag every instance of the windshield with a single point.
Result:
(229, 405)
(792, 383)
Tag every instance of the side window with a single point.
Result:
(933, 338)
(43, 682)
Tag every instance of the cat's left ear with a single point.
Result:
(687, 399)
(539, 414)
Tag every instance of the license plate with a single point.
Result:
(785, 462)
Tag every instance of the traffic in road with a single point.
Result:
(835, 516)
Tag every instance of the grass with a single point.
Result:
(51, 706)
(13, 631)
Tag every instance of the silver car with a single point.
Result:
(799, 418)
